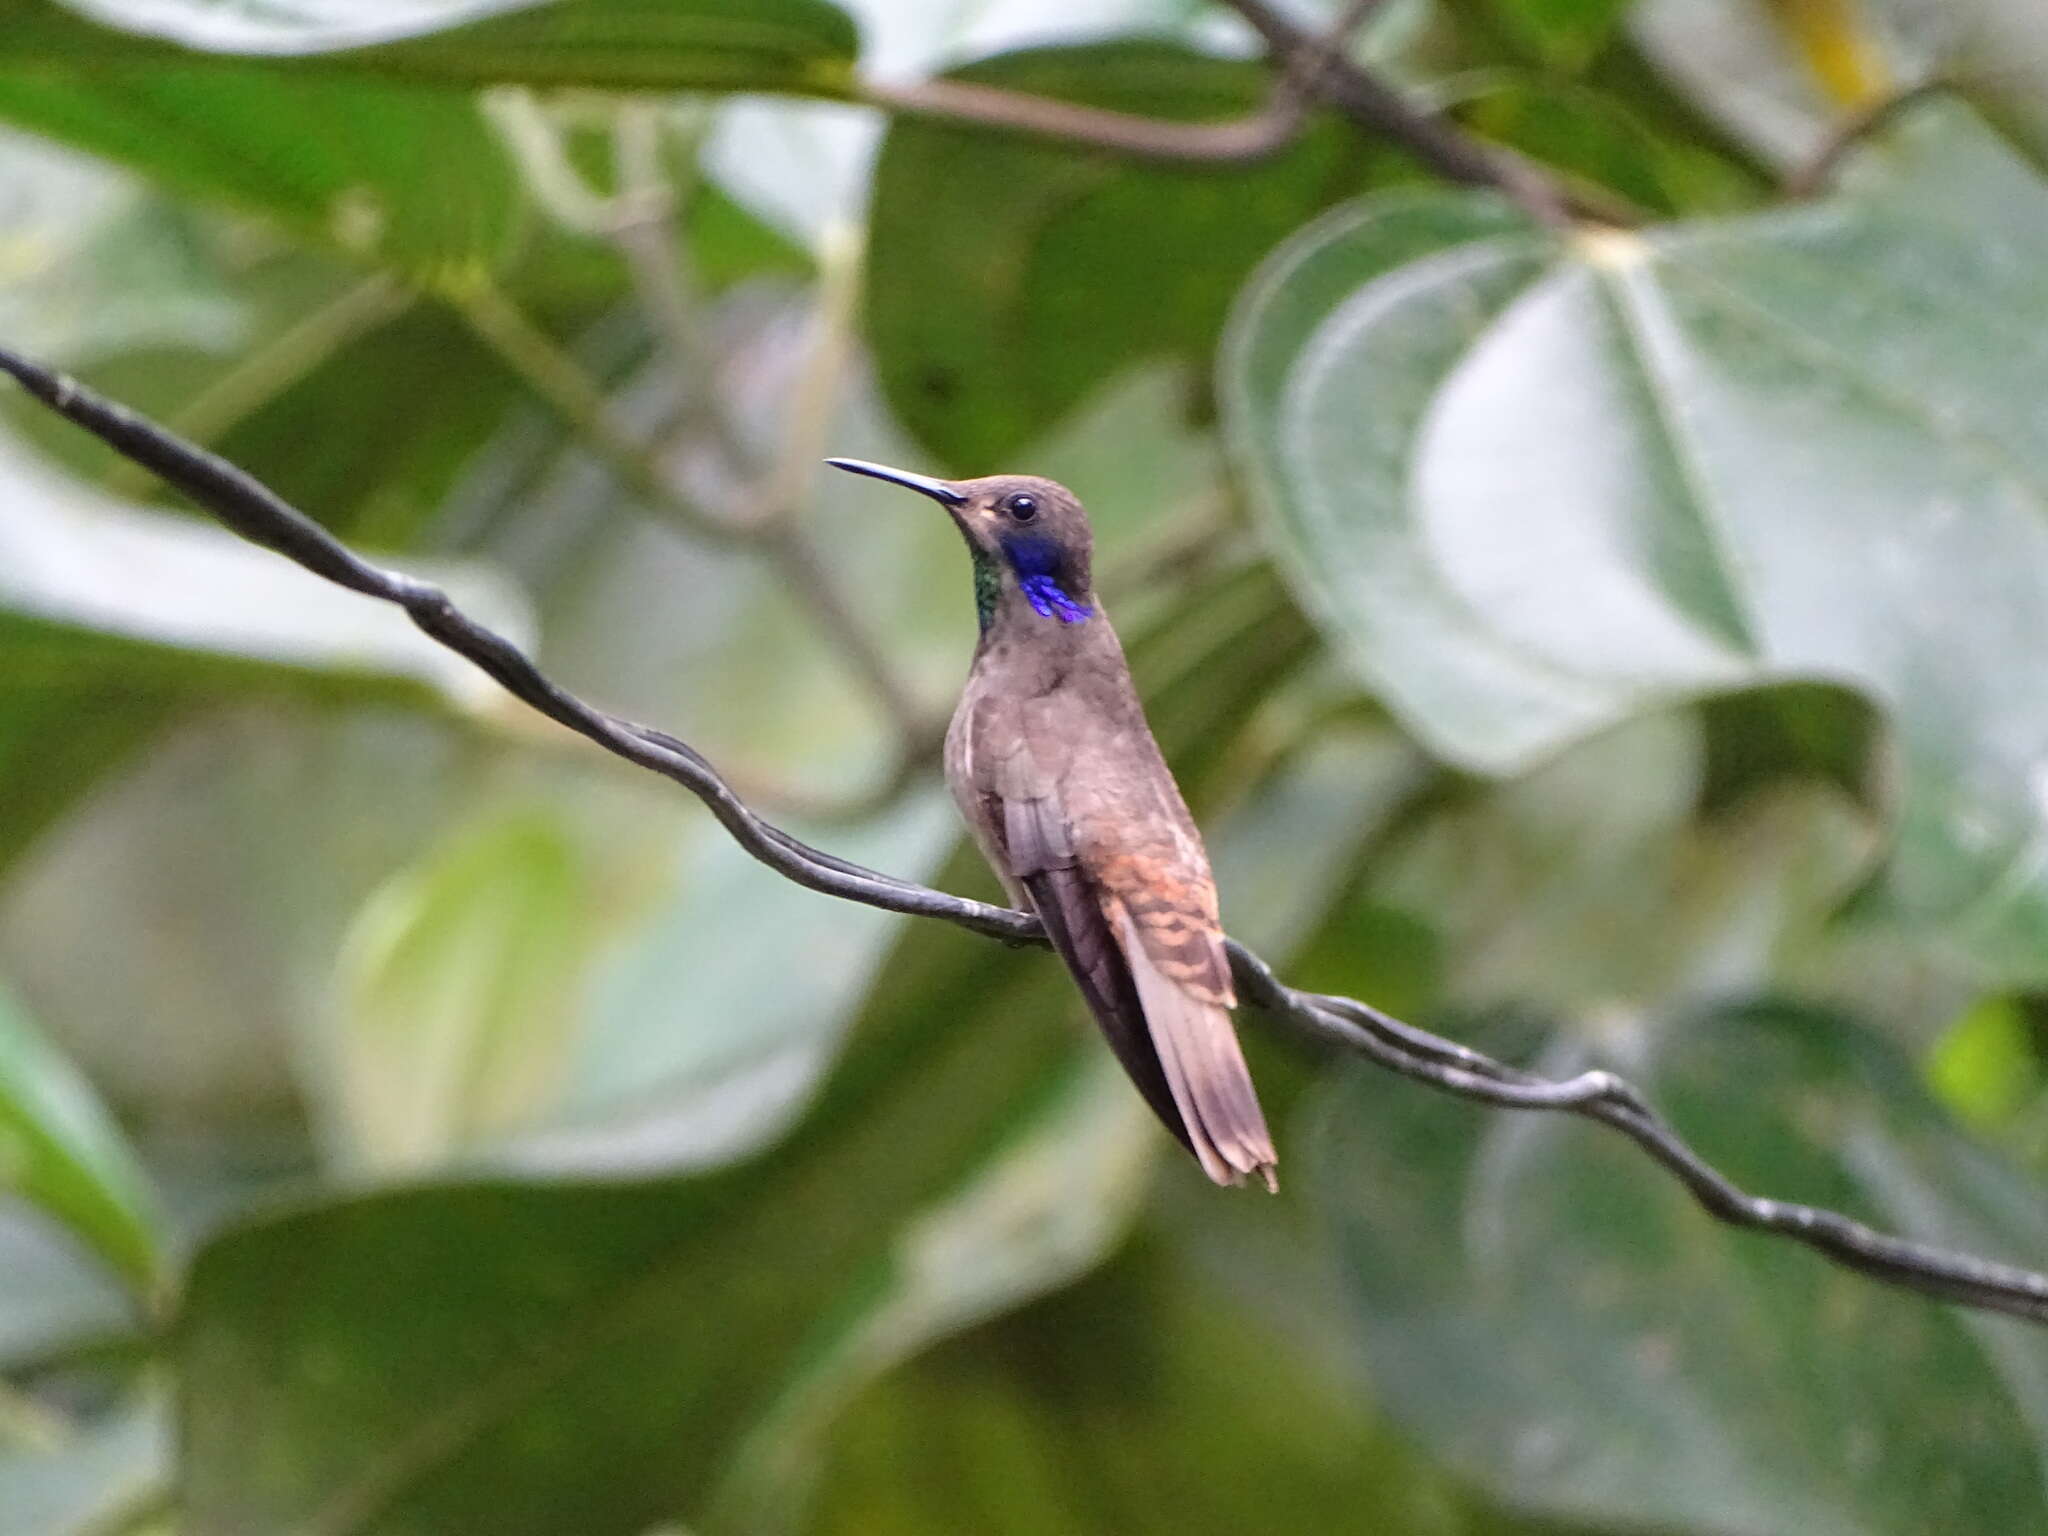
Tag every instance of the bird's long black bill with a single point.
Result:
(938, 490)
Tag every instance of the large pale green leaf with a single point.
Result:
(244, 841)
(60, 1150)
(504, 1357)
(1010, 278)
(1534, 490)
(1561, 1324)
(699, 1039)
(110, 615)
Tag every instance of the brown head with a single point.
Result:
(1025, 533)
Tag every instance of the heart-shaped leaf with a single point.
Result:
(1533, 490)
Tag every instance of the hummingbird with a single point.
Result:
(1057, 774)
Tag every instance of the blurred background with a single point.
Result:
(1612, 639)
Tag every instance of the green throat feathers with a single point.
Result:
(1039, 567)
(988, 586)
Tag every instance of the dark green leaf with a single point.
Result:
(1140, 1403)
(1564, 33)
(334, 160)
(1008, 279)
(1588, 134)
(1559, 1322)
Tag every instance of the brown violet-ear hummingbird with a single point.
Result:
(1056, 771)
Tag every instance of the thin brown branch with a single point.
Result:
(816, 591)
(644, 224)
(772, 517)
(573, 395)
(1439, 143)
(257, 513)
(273, 368)
(1817, 175)
(564, 387)
(1239, 142)
(1243, 141)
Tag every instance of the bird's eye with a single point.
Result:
(1022, 508)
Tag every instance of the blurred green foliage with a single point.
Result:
(1616, 645)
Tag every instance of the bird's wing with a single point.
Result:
(1026, 833)
(1091, 827)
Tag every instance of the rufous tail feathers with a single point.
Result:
(1204, 1067)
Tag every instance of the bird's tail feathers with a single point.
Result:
(1203, 1064)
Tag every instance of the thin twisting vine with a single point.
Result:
(252, 510)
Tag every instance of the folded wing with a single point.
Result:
(1127, 902)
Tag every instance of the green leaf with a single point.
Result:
(1009, 279)
(245, 839)
(332, 159)
(488, 1357)
(110, 616)
(1799, 446)
(1593, 134)
(1142, 1402)
(1049, 1209)
(1556, 1319)
(672, 45)
(1566, 34)
(278, 113)
(453, 1005)
(1986, 1067)
(60, 1150)
(1591, 886)
(699, 1039)
(90, 266)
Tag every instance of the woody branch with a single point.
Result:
(251, 509)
